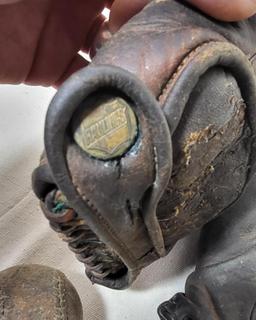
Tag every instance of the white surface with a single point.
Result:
(25, 236)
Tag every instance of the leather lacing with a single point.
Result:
(99, 260)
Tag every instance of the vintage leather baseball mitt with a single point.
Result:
(153, 140)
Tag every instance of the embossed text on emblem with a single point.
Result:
(108, 129)
(110, 123)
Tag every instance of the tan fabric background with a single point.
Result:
(26, 238)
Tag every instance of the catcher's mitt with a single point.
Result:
(153, 140)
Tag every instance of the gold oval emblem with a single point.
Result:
(107, 129)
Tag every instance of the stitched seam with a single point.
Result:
(59, 293)
(181, 66)
(4, 305)
(155, 159)
(104, 223)
(100, 217)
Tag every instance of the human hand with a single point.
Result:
(40, 39)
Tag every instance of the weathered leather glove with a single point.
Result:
(152, 141)
(34, 292)
(223, 285)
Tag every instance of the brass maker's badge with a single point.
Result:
(108, 128)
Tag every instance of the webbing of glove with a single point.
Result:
(113, 177)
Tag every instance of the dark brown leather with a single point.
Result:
(223, 284)
(190, 81)
(30, 292)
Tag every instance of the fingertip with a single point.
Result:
(234, 10)
(9, 1)
(123, 10)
